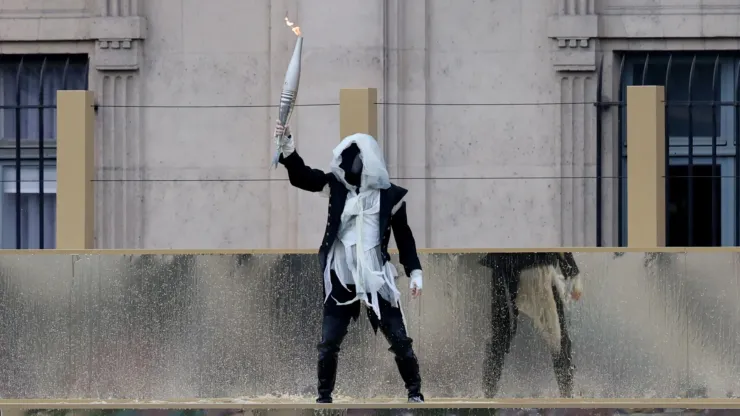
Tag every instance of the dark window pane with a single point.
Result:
(23, 86)
(30, 206)
(677, 91)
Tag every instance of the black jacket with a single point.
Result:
(314, 180)
(511, 264)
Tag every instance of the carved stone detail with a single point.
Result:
(575, 30)
(114, 26)
(120, 49)
(119, 160)
(577, 159)
(118, 55)
(119, 8)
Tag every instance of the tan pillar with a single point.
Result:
(645, 166)
(75, 156)
(12, 412)
(358, 111)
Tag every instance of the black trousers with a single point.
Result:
(504, 316)
(334, 328)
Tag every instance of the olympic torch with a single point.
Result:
(290, 87)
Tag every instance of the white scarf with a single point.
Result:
(360, 235)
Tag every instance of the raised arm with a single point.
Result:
(300, 175)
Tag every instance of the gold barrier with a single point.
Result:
(164, 326)
(436, 407)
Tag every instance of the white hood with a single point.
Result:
(374, 173)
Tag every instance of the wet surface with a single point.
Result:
(381, 412)
(161, 327)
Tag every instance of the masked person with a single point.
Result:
(364, 206)
(538, 285)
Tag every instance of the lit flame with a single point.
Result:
(295, 29)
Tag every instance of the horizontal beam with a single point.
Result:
(37, 28)
(175, 252)
(643, 404)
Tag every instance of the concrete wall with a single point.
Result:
(244, 326)
(150, 57)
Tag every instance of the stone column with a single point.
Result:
(574, 30)
(119, 148)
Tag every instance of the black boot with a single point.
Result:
(492, 369)
(333, 330)
(563, 359)
(393, 328)
(564, 377)
(408, 367)
(327, 372)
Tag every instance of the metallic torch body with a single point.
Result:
(289, 93)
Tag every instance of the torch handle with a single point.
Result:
(285, 109)
(287, 102)
(276, 158)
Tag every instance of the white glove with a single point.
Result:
(284, 142)
(415, 285)
(576, 288)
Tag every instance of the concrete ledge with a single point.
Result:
(214, 252)
(645, 405)
(34, 29)
(573, 26)
(650, 26)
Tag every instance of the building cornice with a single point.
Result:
(117, 39)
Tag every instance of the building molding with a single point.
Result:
(576, 37)
(117, 39)
(80, 28)
(579, 27)
(119, 159)
(118, 54)
(667, 26)
(574, 30)
(631, 8)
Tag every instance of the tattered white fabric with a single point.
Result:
(356, 257)
(536, 299)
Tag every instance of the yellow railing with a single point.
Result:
(359, 114)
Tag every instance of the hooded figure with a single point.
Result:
(364, 206)
(534, 284)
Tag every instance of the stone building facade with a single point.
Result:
(501, 154)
